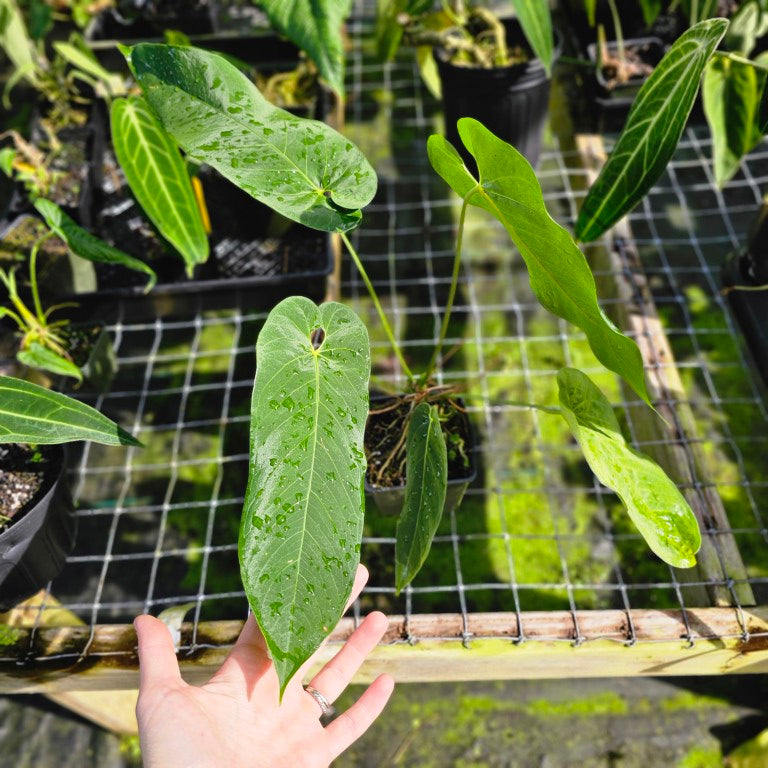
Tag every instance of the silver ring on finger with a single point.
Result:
(325, 705)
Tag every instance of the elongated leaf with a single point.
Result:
(653, 128)
(38, 356)
(536, 22)
(559, 273)
(158, 178)
(425, 486)
(761, 116)
(301, 168)
(655, 505)
(731, 100)
(303, 513)
(33, 414)
(590, 6)
(81, 57)
(15, 40)
(744, 28)
(315, 27)
(82, 243)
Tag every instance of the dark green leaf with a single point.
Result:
(158, 178)
(38, 356)
(536, 22)
(655, 505)
(82, 243)
(653, 128)
(559, 273)
(425, 486)
(761, 115)
(303, 513)
(33, 414)
(651, 9)
(301, 168)
(731, 97)
(315, 27)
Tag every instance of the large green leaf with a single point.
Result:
(536, 22)
(655, 505)
(653, 128)
(315, 27)
(731, 93)
(38, 356)
(158, 178)
(82, 243)
(425, 485)
(301, 168)
(559, 273)
(33, 414)
(303, 513)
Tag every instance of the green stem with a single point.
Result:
(33, 276)
(377, 304)
(451, 293)
(741, 60)
(617, 29)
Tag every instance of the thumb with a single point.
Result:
(157, 657)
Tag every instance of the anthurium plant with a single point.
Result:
(470, 32)
(303, 512)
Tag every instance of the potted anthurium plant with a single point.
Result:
(37, 523)
(61, 347)
(497, 71)
(303, 513)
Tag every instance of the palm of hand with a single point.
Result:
(235, 720)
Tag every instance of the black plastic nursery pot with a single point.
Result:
(389, 500)
(35, 544)
(613, 100)
(77, 176)
(750, 307)
(512, 102)
(131, 20)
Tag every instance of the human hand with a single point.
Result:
(234, 720)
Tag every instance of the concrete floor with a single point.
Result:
(620, 723)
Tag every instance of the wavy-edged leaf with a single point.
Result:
(33, 414)
(425, 486)
(653, 501)
(315, 27)
(82, 243)
(38, 356)
(158, 178)
(303, 513)
(536, 23)
(731, 93)
(653, 128)
(301, 168)
(559, 273)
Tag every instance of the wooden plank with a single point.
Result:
(673, 445)
(722, 640)
(113, 710)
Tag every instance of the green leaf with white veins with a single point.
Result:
(426, 476)
(315, 27)
(33, 414)
(731, 94)
(301, 168)
(653, 128)
(653, 501)
(158, 178)
(559, 273)
(303, 514)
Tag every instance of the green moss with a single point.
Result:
(8, 635)
(607, 703)
(689, 700)
(702, 757)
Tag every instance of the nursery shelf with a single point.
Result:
(538, 573)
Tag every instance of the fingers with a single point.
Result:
(361, 579)
(352, 724)
(157, 656)
(334, 677)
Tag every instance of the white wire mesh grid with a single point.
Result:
(536, 531)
